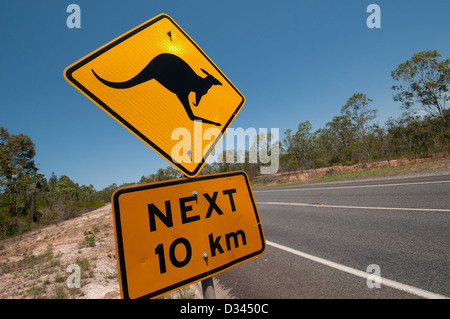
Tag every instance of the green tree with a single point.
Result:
(287, 159)
(67, 190)
(300, 145)
(16, 163)
(357, 109)
(381, 144)
(106, 193)
(424, 79)
(341, 136)
(162, 174)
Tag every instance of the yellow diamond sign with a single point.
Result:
(158, 83)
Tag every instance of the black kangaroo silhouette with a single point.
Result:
(176, 76)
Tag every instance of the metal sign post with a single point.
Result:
(208, 288)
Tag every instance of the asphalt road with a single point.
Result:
(322, 238)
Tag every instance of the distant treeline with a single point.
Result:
(352, 137)
(28, 198)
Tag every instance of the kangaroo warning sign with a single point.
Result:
(158, 83)
(174, 233)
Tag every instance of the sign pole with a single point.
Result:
(207, 284)
(208, 288)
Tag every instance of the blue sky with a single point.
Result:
(293, 61)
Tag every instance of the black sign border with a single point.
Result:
(119, 237)
(147, 140)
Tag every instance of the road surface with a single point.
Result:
(325, 240)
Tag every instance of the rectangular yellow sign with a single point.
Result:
(174, 233)
(158, 83)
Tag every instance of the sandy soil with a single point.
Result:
(34, 265)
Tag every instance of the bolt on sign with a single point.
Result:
(174, 233)
(158, 83)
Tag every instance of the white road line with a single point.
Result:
(355, 207)
(387, 282)
(343, 187)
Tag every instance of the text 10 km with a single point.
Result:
(216, 244)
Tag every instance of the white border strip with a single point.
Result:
(387, 282)
(344, 187)
(354, 207)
